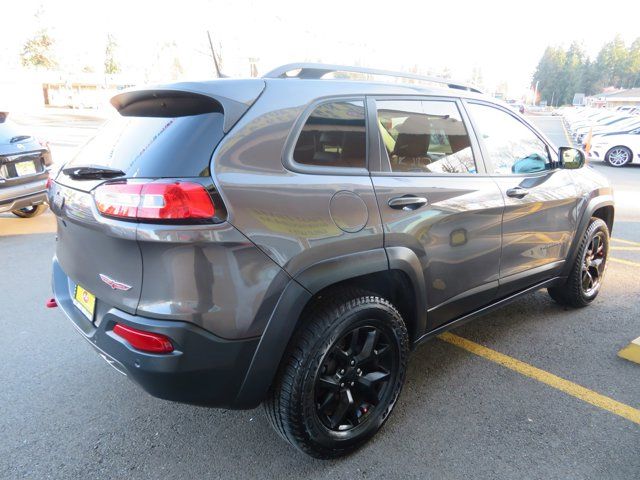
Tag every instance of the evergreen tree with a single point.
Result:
(633, 65)
(549, 75)
(563, 73)
(612, 61)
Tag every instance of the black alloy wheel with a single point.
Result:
(584, 281)
(593, 263)
(355, 377)
(342, 373)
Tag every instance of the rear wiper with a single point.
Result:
(92, 172)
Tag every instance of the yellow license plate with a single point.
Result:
(85, 301)
(25, 168)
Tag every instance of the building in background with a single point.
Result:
(614, 98)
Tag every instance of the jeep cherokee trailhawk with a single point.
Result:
(289, 240)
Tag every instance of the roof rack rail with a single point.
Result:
(318, 70)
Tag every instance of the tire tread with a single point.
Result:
(570, 292)
(286, 392)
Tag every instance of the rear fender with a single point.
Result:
(286, 315)
(594, 204)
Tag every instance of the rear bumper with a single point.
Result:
(22, 195)
(203, 369)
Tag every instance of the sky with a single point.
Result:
(504, 40)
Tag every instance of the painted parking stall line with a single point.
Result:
(589, 396)
(624, 262)
(625, 242)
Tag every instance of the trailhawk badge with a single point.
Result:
(114, 284)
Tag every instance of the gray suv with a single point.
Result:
(289, 240)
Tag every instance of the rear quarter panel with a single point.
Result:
(286, 213)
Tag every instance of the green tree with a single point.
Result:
(613, 62)
(550, 77)
(633, 64)
(38, 51)
(561, 74)
(593, 82)
(111, 66)
(574, 71)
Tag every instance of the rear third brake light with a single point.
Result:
(156, 200)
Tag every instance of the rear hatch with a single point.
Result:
(161, 136)
(22, 158)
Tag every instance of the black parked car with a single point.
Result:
(288, 240)
(24, 163)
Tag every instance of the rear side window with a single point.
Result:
(155, 146)
(333, 136)
(424, 136)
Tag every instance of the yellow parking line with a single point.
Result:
(566, 134)
(624, 262)
(566, 386)
(626, 242)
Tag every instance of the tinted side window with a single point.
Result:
(513, 148)
(425, 137)
(334, 136)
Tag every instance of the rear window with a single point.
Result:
(333, 136)
(155, 146)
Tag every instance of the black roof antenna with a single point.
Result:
(215, 58)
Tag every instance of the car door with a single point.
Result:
(436, 200)
(541, 199)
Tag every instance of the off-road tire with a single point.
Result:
(291, 406)
(572, 292)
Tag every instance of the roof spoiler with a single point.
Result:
(229, 96)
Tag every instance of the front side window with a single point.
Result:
(334, 136)
(425, 136)
(513, 148)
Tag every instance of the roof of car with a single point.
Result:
(329, 87)
(402, 83)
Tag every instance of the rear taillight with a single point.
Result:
(142, 340)
(47, 185)
(156, 200)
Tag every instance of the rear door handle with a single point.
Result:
(517, 192)
(407, 202)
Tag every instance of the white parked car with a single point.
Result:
(590, 120)
(619, 124)
(617, 150)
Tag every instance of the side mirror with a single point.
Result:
(571, 158)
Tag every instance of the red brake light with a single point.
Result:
(48, 184)
(145, 341)
(154, 200)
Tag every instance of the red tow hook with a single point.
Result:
(51, 303)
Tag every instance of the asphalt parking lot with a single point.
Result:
(66, 414)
